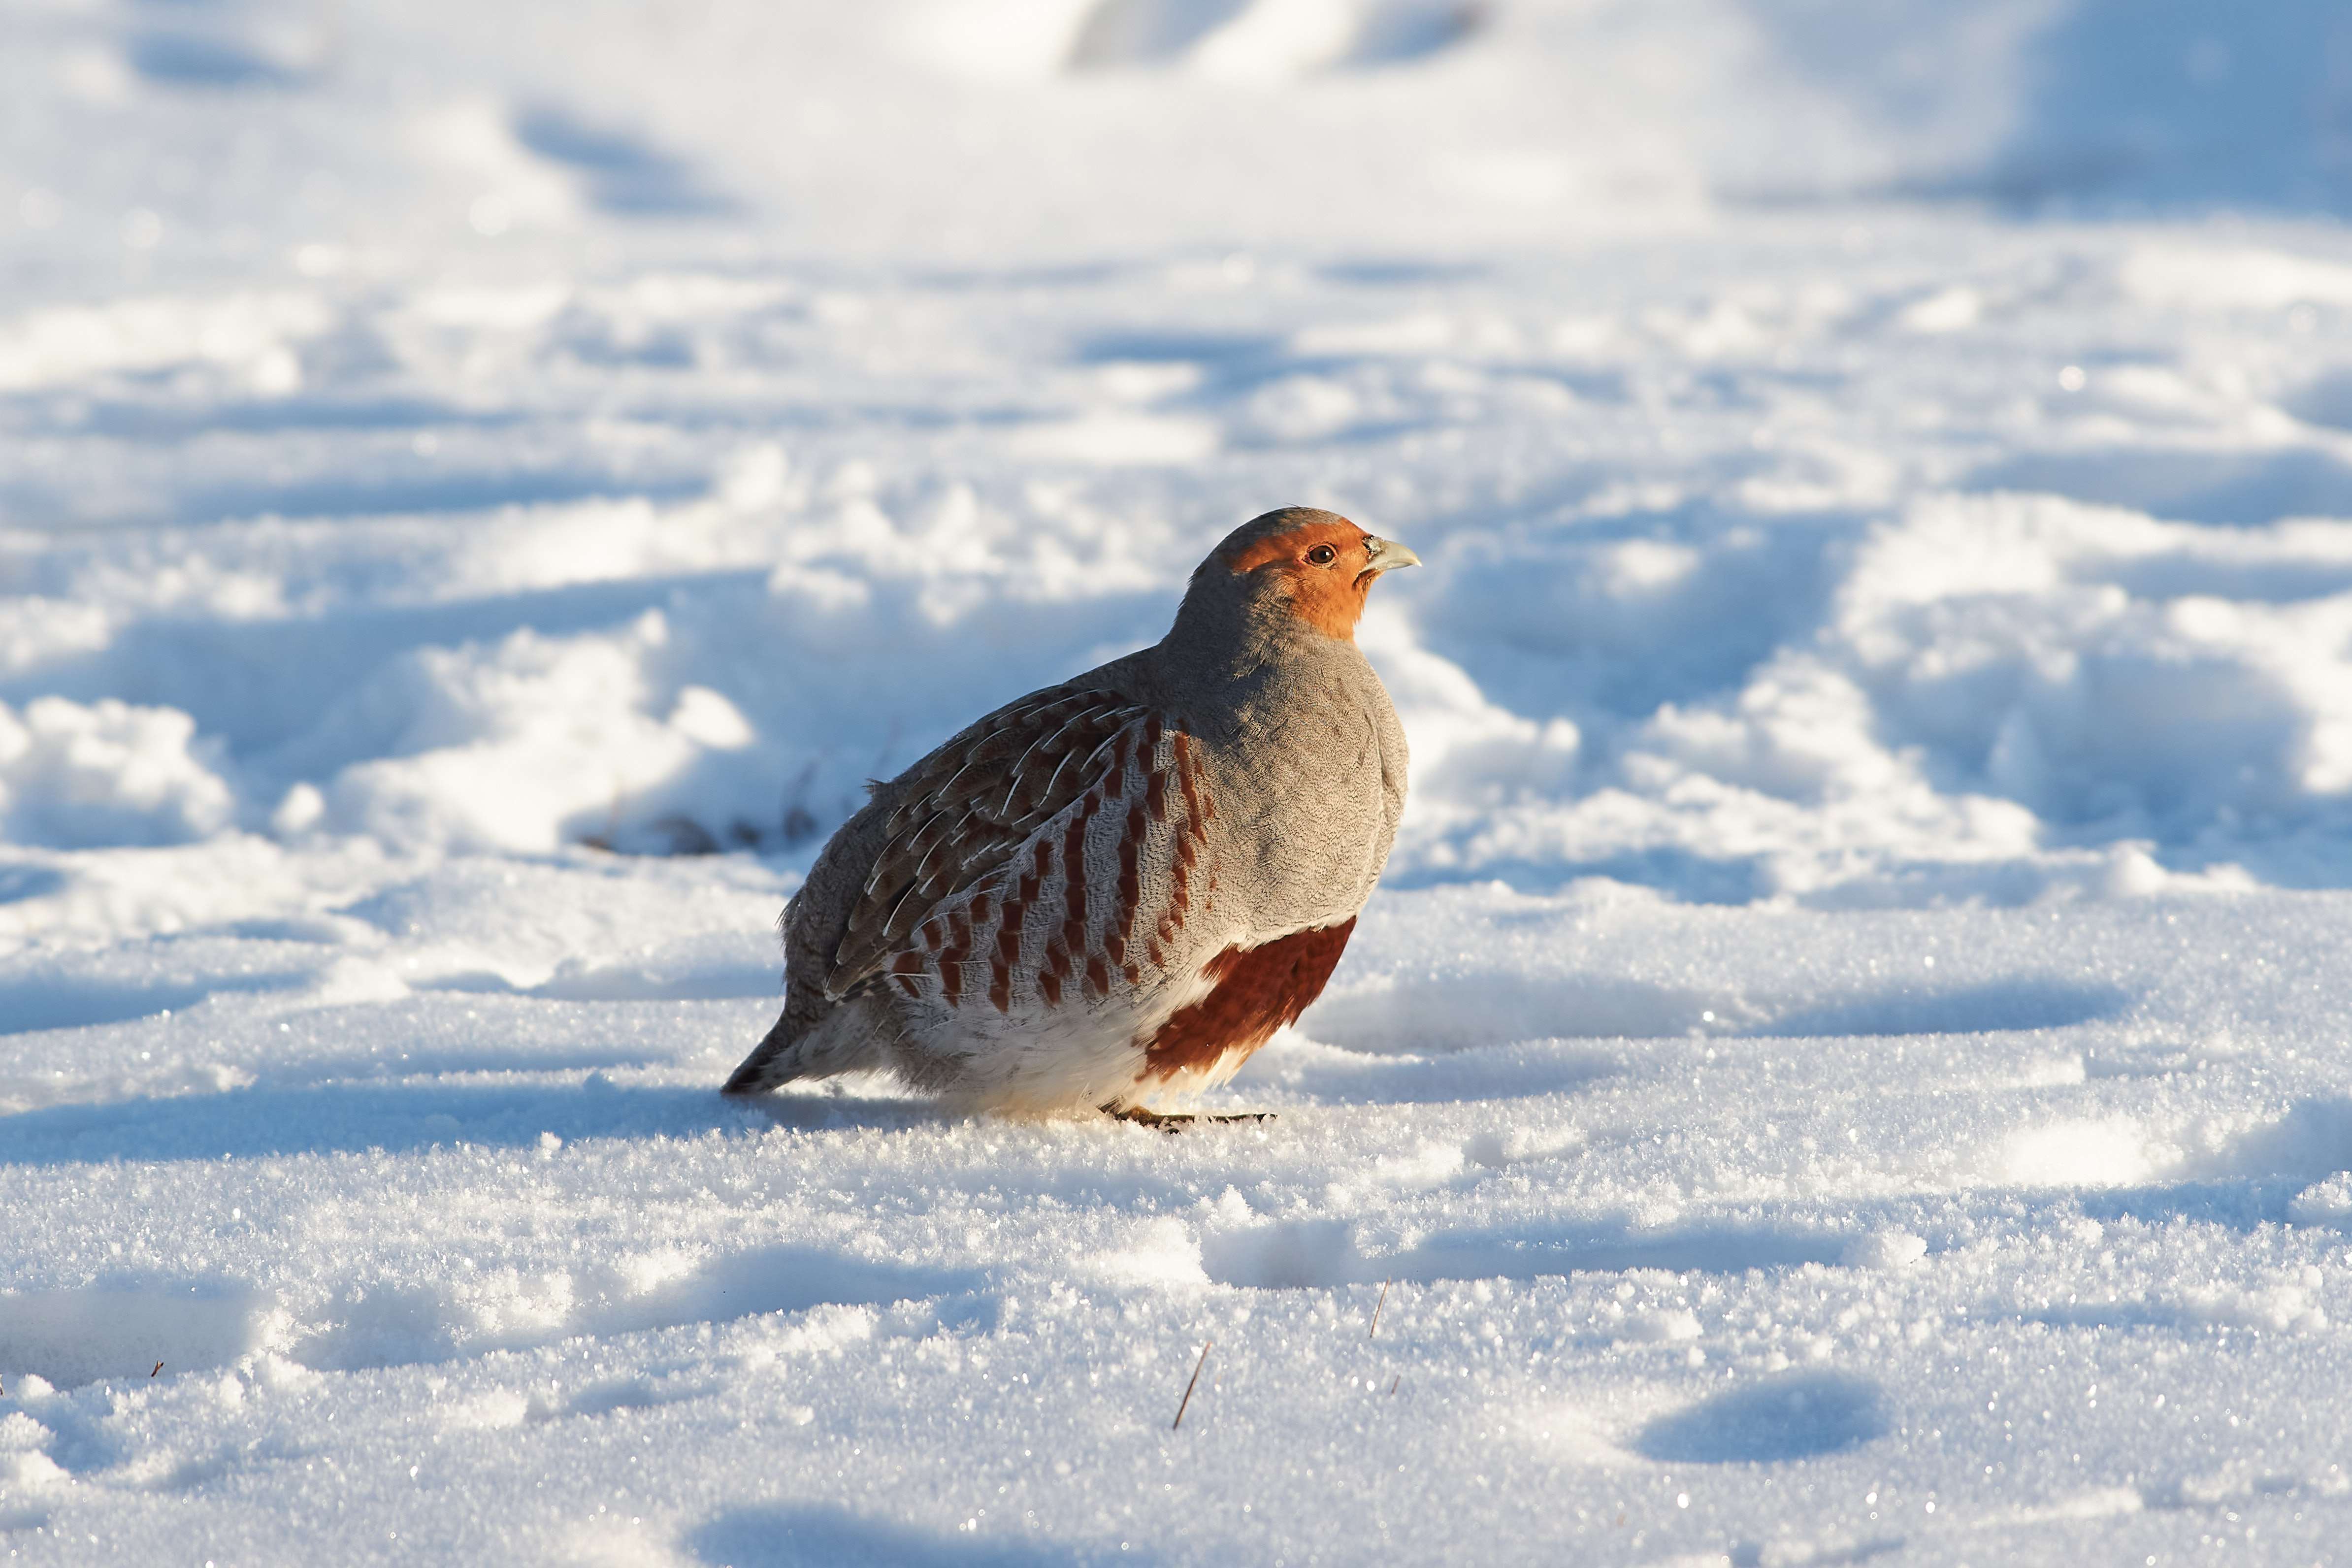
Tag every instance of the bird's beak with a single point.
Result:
(1387, 556)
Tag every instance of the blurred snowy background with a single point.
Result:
(1863, 453)
(482, 485)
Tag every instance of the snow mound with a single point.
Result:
(77, 776)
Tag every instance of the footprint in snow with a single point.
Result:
(1791, 1417)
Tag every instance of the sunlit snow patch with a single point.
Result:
(2113, 1153)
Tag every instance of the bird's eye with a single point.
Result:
(1322, 555)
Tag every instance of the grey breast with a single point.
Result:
(1311, 763)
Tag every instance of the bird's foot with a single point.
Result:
(1176, 1121)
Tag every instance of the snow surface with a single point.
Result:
(1848, 1062)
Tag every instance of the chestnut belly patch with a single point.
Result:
(1255, 991)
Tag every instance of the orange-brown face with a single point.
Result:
(1328, 569)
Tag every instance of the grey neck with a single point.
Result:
(1230, 664)
(1221, 636)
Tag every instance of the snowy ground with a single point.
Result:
(1847, 1062)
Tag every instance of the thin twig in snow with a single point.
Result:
(1187, 1387)
(1376, 1310)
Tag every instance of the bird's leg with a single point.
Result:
(1172, 1123)
(1142, 1118)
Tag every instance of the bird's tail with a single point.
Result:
(772, 1061)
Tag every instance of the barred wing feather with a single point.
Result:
(970, 805)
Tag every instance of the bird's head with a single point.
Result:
(1297, 565)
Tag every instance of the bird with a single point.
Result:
(1105, 895)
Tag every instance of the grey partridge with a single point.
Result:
(1113, 890)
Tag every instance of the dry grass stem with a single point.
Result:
(1376, 1310)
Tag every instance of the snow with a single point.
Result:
(1847, 1057)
